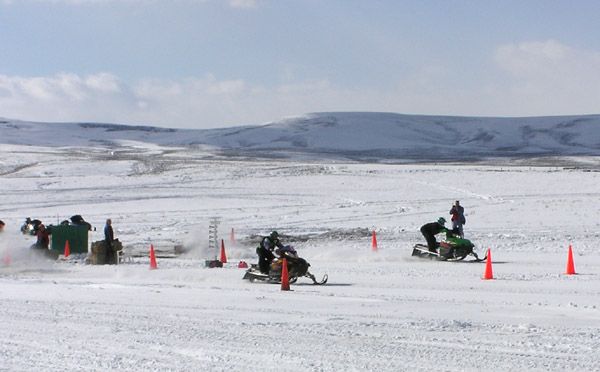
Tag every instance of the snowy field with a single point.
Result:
(380, 311)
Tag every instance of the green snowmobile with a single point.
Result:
(452, 248)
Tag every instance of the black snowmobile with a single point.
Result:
(297, 268)
(450, 249)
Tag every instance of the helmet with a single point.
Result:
(274, 235)
(441, 220)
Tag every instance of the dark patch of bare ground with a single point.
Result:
(333, 234)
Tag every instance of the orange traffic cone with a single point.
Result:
(6, 260)
(232, 237)
(488, 266)
(374, 242)
(67, 249)
(152, 258)
(285, 280)
(223, 256)
(570, 263)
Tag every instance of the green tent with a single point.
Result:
(76, 235)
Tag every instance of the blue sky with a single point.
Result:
(216, 63)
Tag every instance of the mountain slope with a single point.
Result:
(357, 136)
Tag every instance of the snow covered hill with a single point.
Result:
(349, 136)
(381, 310)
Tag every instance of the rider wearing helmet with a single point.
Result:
(265, 251)
(430, 230)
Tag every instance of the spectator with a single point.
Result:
(43, 237)
(458, 218)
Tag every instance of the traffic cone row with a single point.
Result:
(285, 284)
(488, 273)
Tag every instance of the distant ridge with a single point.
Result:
(357, 136)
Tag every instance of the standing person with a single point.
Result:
(1, 226)
(265, 251)
(109, 238)
(109, 234)
(43, 237)
(458, 218)
(430, 230)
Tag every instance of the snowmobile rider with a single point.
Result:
(430, 230)
(458, 217)
(265, 251)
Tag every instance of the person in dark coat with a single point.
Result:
(109, 234)
(265, 251)
(458, 218)
(430, 230)
(77, 220)
(109, 237)
(43, 237)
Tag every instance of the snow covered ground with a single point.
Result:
(380, 311)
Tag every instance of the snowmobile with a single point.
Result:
(450, 249)
(297, 268)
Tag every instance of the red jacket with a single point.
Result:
(43, 238)
(457, 213)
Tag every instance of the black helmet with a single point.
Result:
(274, 235)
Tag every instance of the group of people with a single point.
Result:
(42, 233)
(430, 230)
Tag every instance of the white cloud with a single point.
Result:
(62, 97)
(550, 77)
(537, 78)
(103, 82)
(245, 4)
(193, 102)
(536, 58)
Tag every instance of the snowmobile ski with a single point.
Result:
(312, 277)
